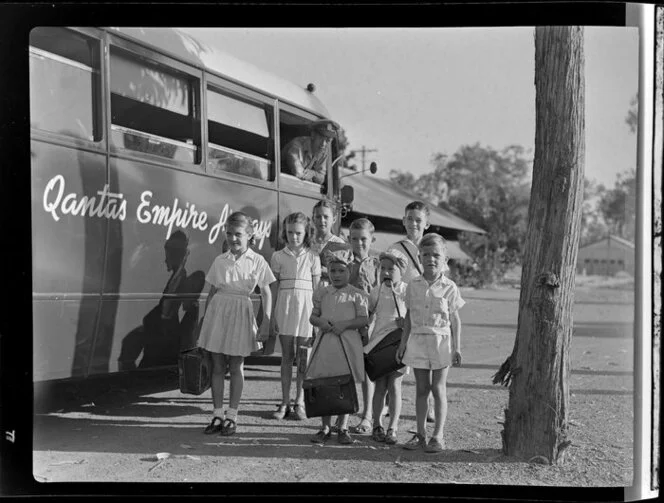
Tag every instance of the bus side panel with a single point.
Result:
(67, 249)
(67, 257)
(136, 274)
(57, 325)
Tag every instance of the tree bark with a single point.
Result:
(538, 370)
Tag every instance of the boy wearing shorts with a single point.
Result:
(431, 338)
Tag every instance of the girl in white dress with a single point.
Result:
(297, 270)
(229, 329)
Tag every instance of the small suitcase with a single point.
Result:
(381, 360)
(195, 371)
(330, 396)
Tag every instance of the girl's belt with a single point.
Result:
(234, 293)
(295, 284)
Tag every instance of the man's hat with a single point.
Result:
(326, 128)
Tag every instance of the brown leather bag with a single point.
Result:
(195, 369)
(330, 396)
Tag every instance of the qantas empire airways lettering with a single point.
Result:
(113, 206)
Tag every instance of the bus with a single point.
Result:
(143, 141)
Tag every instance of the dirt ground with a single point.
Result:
(116, 432)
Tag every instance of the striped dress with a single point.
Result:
(294, 297)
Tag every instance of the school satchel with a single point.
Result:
(381, 360)
(330, 396)
(194, 369)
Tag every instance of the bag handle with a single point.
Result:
(396, 304)
(416, 262)
(316, 349)
(197, 331)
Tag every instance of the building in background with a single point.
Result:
(383, 202)
(606, 257)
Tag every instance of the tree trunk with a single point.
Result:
(536, 417)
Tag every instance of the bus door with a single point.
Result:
(69, 197)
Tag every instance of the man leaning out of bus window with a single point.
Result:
(306, 156)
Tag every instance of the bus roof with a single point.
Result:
(187, 48)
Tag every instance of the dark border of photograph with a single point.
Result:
(16, 20)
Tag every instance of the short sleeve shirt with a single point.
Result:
(295, 271)
(335, 303)
(382, 303)
(430, 306)
(240, 275)
(364, 273)
(318, 247)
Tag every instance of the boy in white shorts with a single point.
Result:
(431, 338)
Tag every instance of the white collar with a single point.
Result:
(249, 254)
(290, 252)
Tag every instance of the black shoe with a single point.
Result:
(321, 437)
(214, 426)
(344, 438)
(228, 428)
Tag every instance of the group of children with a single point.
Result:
(352, 300)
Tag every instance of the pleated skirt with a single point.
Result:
(229, 326)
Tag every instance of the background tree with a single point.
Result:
(593, 226)
(618, 206)
(488, 188)
(538, 369)
(632, 118)
(612, 211)
(342, 149)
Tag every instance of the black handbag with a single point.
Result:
(194, 369)
(381, 360)
(330, 396)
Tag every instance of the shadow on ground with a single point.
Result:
(188, 440)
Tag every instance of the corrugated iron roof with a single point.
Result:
(382, 198)
(608, 238)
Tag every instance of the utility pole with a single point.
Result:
(364, 151)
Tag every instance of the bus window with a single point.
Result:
(64, 83)
(239, 139)
(304, 159)
(152, 109)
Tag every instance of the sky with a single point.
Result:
(409, 93)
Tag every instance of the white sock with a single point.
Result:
(231, 414)
(218, 413)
